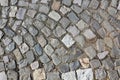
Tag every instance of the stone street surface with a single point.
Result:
(59, 39)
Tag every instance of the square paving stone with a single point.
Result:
(73, 17)
(100, 74)
(20, 13)
(69, 75)
(18, 39)
(68, 40)
(23, 48)
(38, 49)
(95, 63)
(90, 51)
(65, 22)
(85, 74)
(88, 33)
(94, 4)
(54, 15)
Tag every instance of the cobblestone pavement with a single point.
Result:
(59, 40)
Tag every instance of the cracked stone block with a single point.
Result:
(4, 2)
(46, 31)
(66, 2)
(65, 10)
(3, 23)
(69, 75)
(49, 50)
(11, 74)
(73, 30)
(18, 39)
(56, 60)
(44, 8)
(88, 33)
(59, 31)
(31, 13)
(44, 58)
(113, 75)
(23, 48)
(17, 54)
(64, 22)
(79, 2)
(100, 74)
(107, 63)
(95, 63)
(54, 15)
(10, 47)
(34, 65)
(82, 25)
(94, 4)
(13, 10)
(90, 51)
(63, 68)
(73, 17)
(85, 74)
(102, 55)
(68, 41)
(3, 76)
(53, 76)
(38, 49)
(20, 13)
(39, 74)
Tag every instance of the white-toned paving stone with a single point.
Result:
(54, 15)
(68, 40)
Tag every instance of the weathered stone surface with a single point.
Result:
(81, 40)
(10, 47)
(104, 4)
(49, 66)
(38, 49)
(112, 74)
(94, 4)
(64, 9)
(12, 75)
(66, 2)
(18, 39)
(95, 63)
(85, 74)
(102, 55)
(107, 63)
(56, 59)
(69, 75)
(73, 17)
(2, 66)
(63, 68)
(44, 58)
(64, 22)
(76, 8)
(1, 50)
(89, 34)
(68, 40)
(4, 2)
(44, 8)
(39, 74)
(75, 32)
(13, 10)
(3, 76)
(49, 50)
(54, 15)
(84, 62)
(46, 31)
(79, 2)
(90, 51)
(31, 13)
(54, 42)
(100, 74)
(23, 48)
(20, 13)
(74, 65)
(53, 76)
(55, 5)
(17, 54)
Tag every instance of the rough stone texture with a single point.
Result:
(69, 76)
(59, 39)
(68, 40)
(85, 74)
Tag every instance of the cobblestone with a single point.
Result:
(59, 39)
